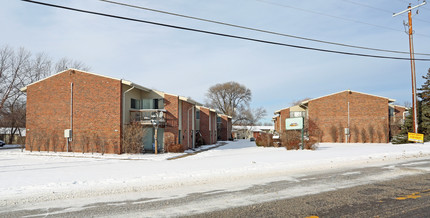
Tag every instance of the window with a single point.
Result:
(146, 104)
(391, 111)
(218, 119)
(160, 103)
(155, 104)
(133, 103)
(297, 114)
(198, 114)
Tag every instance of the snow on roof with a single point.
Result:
(6, 130)
(254, 128)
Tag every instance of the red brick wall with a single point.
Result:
(96, 112)
(365, 111)
(285, 113)
(187, 117)
(276, 123)
(204, 125)
(171, 130)
(398, 112)
(214, 136)
(224, 131)
(230, 128)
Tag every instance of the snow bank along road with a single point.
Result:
(36, 181)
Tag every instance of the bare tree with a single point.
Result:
(380, 135)
(371, 132)
(363, 135)
(333, 133)
(297, 102)
(228, 97)
(18, 69)
(45, 141)
(133, 138)
(355, 133)
(250, 116)
(84, 139)
(54, 141)
(95, 142)
(65, 63)
(290, 139)
(341, 134)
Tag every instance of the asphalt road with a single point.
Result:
(391, 190)
(405, 197)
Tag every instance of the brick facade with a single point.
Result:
(368, 117)
(204, 125)
(213, 135)
(280, 119)
(187, 124)
(171, 129)
(399, 113)
(96, 112)
(225, 128)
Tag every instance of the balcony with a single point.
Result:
(144, 116)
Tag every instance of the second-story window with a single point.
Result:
(297, 114)
(133, 104)
(198, 114)
(155, 104)
(218, 119)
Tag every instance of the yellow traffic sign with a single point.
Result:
(415, 137)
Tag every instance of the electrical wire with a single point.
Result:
(380, 9)
(257, 30)
(333, 16)
(408, 2)
(221, 34)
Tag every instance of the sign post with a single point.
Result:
(295, 124)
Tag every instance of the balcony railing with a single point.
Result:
(146, 116)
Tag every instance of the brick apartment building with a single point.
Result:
(290, 112)
(98, 107)
(224, 127)
(208, 124)
(346, 116)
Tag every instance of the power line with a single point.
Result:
(408, 2)
(380, 9)
(255, 29)
(222, 34)
(368, 6)
(333, 16)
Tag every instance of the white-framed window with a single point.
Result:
(297, 114)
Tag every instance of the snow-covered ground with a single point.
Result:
(28, 174)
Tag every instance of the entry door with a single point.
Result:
(149, 140)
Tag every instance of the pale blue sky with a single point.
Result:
(188, 63)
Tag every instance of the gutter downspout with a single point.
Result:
(188, 126)
(192, 125)
(348, 133)
(71, 115)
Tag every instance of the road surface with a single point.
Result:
(393, 189)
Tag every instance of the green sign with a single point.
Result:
(294, 123)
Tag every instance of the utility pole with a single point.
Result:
(412, 56)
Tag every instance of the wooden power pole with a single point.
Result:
(413, 75)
